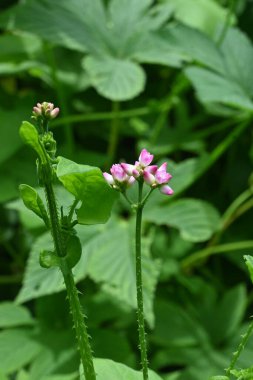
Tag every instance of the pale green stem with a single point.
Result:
(227, 22)
(114, 135)
(206, 252)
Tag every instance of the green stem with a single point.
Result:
(74, 302)
(179, 86)
(206, 252)
(227, 22)
(139, 287)
(237, 354)
(114, 135)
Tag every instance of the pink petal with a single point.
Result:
(130, 181)
(162, 177)
(109, 178)
(151, 169)
(118, 173)
(145, 158)
(148, 177)
(166, 190)
(128, 169)
(163, 167)
(54, 112)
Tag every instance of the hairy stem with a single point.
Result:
(241, 346)
(139, 288)
(74, 302)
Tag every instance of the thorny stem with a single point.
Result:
(237, 353)
(139, 287)
(74, 302)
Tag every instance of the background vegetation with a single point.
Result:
(175, 77)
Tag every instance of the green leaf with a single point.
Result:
(33, 202)
(12, 315)
(196, 220)
(214, 88)
(219, 378)
(74, 251)
(38, 281)
(87, 184)
(112, 264)
(30, 136)
(249, 262)
(48, 259)
(205, 15)
(114, 78)
(110, 370)
(17, 349)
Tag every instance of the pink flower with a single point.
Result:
(145, 158)
(155, 177)
(45, 110)
(166, 190)
(118, 173)
(118, 179)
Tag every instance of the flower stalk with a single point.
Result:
(121, 177)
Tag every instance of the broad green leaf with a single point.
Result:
(39, 281)
(214, 88)
(194, 45)
(112, 263)
(48, 259)
(109, 370)
(206, 15)
(115, 78)
(30, 136)
(196, 220)
(219, 378)
(17, 348)
(175, 327)
(12, 315)
(33, 202)
(87, 184)
(238, 57)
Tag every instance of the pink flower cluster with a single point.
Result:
(124, 175)
(46, 110)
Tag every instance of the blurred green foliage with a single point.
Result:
(176, 78)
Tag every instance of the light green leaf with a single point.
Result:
(115, 78)
(33, 202)
(87, 184)
(30, 136)
(112, 263)
(12, 315)
(219, 378)
(109, 370)
(196, 220)
(48, 259)
(194, 45)
(206, 15)
(214, 88)
(74, 251)
(38, 281)
(238, 57)
(17, 348)
(249, 262)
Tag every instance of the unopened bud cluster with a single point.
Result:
(45, 110)
(125, 175)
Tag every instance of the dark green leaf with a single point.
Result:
(87, 184)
